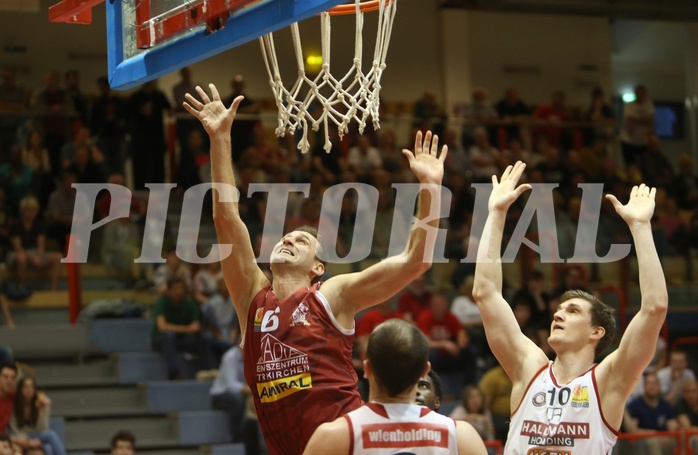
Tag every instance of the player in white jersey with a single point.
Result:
(396, 358)
(570, 406)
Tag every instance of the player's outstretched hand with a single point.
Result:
(426, 162)
(504, 190)
(212, 113)
(639, 208)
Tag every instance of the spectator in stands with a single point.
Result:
(687, 411)
(655, 166)
(516, 152)
(672, 227)
(172, 268)
(430, 392)
(686, 184)
(123, 443)
(103, 204)
(428, 114)
(34, 153)
(552, 115)
(485, 156)
(30, 419)
(120, 246)
(536, 296)
(473, 410)
(55, 106)
(650, 413)
(28, 237)
(464, 308)
(414, 299)
(571, 277)
(59, 212)
(242, 131)
(177, 329)
(496, 388)
(479, 112)
(17, 178)
(220, 319)
(512, 111)
(146, 108)
(85, 169)
(8, 384)
(6, 445)
(81, 138)
(108, 124)
(638, 125)
(185, 124)
(13, 101)
(206, 281)
(449, 344)
(599, 114)
(330, 164)
(674, 376)
(229, 392)
(75, 95)
(369, 321)
(364, 158)
(550, 165)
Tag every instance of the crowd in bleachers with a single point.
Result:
(57, 136)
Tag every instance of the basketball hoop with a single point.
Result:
(355, 96)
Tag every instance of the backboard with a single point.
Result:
(147, 39)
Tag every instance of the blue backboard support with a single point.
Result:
(242, 26)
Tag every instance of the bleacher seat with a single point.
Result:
(135, 367)
(174, 396)
(121, 335)
(204, 427)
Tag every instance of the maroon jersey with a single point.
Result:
(298, 365)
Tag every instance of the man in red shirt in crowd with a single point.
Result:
(553, 113)
(449, 343)
(8, 383)
(414, 299)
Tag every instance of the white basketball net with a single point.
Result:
(354, 96)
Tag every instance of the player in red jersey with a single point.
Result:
(297, 339)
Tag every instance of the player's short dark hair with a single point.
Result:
(602, 315)
(5, 438)
(398, 353)
(436, 382)
(123, 435)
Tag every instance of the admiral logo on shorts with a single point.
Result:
(281, 370)
(561, 435)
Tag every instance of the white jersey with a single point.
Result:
(386, 429)
(554, 419)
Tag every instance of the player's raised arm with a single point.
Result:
(242, 275)
(511, 347)
(348, 294)
(624, 367)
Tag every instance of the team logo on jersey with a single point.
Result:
(580, 397)
(539, 399)
(300, 315)
(281, 370)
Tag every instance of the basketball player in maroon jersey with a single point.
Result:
(297, 337)
(396, 358)
(571, 405)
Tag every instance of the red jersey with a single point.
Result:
(298, 365)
